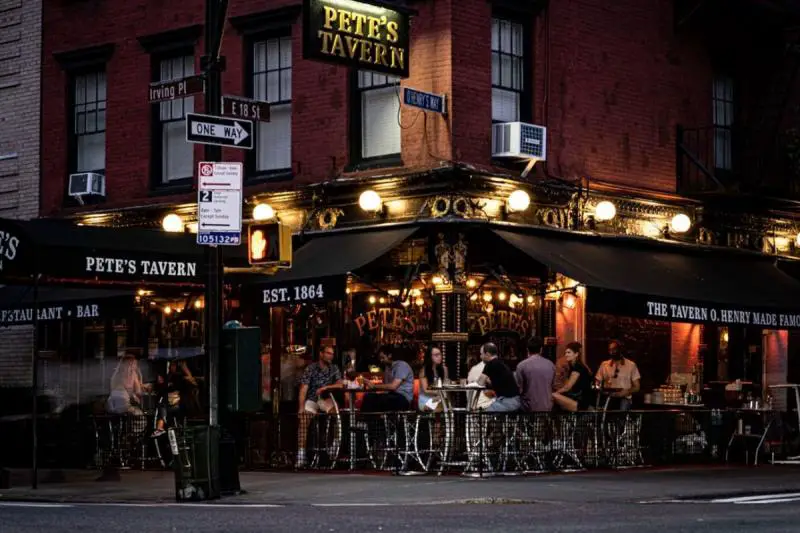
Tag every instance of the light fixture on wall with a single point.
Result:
(680, 223)
(370, 201)
(518, 201)
(569, 301)
(605, 211)
(263, 212)
(172, 223)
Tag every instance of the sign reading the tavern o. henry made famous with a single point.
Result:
(696, 312)
(674, 312)
(357, 34)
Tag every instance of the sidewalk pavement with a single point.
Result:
(361, 489)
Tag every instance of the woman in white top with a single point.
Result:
(126, 387)
(432, 371)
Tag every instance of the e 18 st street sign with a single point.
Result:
(246, 108)
(220, 131)
(162, 91)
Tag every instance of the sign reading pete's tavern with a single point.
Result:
(356, 34)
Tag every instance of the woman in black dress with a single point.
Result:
(577, 391)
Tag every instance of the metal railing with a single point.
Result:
(464, 442)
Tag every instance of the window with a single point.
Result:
(379, 115)
(89, 122)
(722, 110)
(508, 70)
(272, 82)
(177, 155)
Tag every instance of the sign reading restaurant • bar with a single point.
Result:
(676, 310)
(360, 35)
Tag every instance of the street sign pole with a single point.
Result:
(216, 14)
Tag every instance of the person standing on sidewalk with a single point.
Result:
(318, 379)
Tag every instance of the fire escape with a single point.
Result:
(750, 148)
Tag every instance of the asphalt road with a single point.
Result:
(550, 517)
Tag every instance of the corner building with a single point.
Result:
(20, 135)
(659, 208)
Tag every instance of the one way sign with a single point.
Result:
(221, 131)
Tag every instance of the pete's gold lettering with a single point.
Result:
(330, 17)
(385, 316)
(360, 321)
(372, 320)
(397, 319)
(360, 37)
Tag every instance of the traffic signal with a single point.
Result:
(269, 244)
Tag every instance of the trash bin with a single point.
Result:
(196, 460)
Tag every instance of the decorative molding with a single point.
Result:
(171, 41)
(85, 58)
(266, 21)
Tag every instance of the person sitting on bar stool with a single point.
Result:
(577, 391)
(398, 384)
(500, 379)
(619, 372)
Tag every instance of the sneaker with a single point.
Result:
(301, 460)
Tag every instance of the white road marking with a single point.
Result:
(765, 497)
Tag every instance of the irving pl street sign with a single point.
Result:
(219, 203)
(161, 91)
(246, 108)
(221, 131)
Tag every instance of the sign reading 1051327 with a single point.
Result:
(220, 131)
(219, 203)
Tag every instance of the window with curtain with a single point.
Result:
(508, 66)
(89, 122)
(177, 155)
(722, 110)
(380, 114)
(272, 82)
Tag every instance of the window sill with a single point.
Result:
(387, 161)
(180, 187)
(271, 176)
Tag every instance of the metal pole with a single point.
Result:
(213, 65)
(35, 385)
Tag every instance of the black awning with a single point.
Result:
(669, 282)
(320, 267)
(58, 250)
(17, 304)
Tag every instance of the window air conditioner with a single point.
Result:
(86, 184)
(518, 140)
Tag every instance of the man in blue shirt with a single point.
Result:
(396, 391)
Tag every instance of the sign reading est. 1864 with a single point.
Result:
(357, 34)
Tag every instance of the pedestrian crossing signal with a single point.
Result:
(269, 244)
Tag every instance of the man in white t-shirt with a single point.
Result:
(473, 376)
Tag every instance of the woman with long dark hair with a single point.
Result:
(576, 394)
(432, 371)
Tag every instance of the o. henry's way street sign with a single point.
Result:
(220, 131)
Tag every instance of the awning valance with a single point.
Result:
(17, 304)
(669, 282)
(60, 251)
(320, 267)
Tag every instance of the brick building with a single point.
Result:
(20, 85)
(662, 108)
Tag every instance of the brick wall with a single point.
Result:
(611, 81)
(685, 345)
(20, 59)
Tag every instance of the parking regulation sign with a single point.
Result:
(219, 203)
